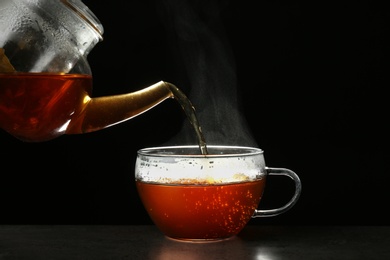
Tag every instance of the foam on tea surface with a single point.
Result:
(201, 170)
(208, 180)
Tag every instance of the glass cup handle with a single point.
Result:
(291, 203)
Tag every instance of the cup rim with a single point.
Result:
(193, 151)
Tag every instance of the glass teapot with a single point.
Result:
(45, 78)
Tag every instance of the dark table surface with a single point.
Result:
(146, 242)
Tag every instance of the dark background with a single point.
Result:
(310, 76)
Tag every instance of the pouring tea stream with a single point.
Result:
(46, 81)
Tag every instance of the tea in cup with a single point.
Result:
(195, 197)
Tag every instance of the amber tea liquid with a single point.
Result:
(201, 211)
(36, 105)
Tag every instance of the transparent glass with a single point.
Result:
(198, 198)
(48, 36)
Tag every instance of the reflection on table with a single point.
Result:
(146, 242)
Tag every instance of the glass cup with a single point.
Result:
(198, 198)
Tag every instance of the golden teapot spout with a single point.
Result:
(101, 112)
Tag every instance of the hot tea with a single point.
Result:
(35, 106)
(200, 210)
(205, 197)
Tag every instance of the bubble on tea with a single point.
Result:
(5, 64)
(207, 180)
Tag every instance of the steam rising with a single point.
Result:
(205, 60)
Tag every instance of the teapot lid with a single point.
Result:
(85, 14)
